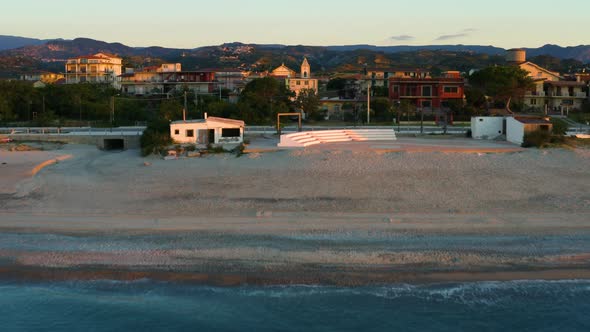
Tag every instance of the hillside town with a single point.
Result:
(432, 93)
(294, 166)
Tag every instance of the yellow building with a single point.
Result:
(97, 68)
(45, 77)
(297, 82)
(551, 93)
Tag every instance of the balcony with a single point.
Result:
(535, 94)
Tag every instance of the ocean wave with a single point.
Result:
(470, 293)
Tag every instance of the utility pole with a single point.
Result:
(421, 120)
(369, 103)
(185, 108)
(112, 111)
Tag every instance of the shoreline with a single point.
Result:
(322, 278)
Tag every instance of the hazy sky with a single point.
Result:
(192, 23)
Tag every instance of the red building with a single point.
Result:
(429, 94)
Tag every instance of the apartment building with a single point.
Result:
(428, 93)
(165, 79)
(97, 68)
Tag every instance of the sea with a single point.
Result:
(160, 306)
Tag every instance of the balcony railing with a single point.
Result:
(535, 94)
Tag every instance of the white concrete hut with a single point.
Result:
(514, 127)
(211, 130)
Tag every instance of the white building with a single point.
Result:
(297, 82)
(518, 126)
(211, 130)
(97, 68)
(514, 127)
(487, 127)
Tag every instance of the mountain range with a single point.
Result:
(18, 54)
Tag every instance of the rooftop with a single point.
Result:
(531, 120)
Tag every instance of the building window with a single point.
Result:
(451, 89)
(426, 104)
(306, 82)
(298, 82)
(426, 91)
(190, 133)
(533, 101)
(396, 89)
(176, 131)
(230, 132)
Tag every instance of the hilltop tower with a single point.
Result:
(305, 69)
(516, 56)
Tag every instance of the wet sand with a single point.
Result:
(345, 216)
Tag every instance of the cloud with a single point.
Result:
(401, 38)
(463, 33)
(455, 36)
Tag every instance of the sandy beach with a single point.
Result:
(417, 210)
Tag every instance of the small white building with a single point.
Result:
(487, 127)
(211, 130)
(518, 126)
(514, 127)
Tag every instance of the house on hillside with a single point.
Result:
(210, 130)
(552, 92)
(97, 68)
(45, 77)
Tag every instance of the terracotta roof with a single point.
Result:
(109, 55)
(566, 83)
(531, 120)
(398, 70)
(89, 57)
(429, 79)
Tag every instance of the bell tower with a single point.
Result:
(305, 69)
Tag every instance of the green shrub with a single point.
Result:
(155, 137)
(215, 149)
(559, 126)
(537, 138)
(239, 150)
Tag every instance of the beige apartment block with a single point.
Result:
(97, 68)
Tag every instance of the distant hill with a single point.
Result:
(490, 50)
(10, 42)
(50, 55)
(580, 53)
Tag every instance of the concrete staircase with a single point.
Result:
(309, 138)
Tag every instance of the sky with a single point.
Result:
(194, 23)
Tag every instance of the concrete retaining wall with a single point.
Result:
(130, 142)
